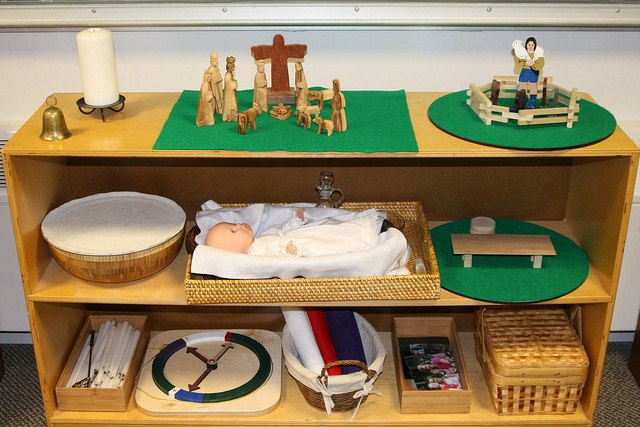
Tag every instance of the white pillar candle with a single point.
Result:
(98, 67)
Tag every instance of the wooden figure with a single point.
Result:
(279, 54)
(230, 102)
(204, 117)
(529, 58)
(338, 103)
(260, 87)
(248, 118)
(302, 90)
(495, 92)
(313, 110)
(304, 119)
(216, 82)
(320, 96)
(280, 112)
(324, 125)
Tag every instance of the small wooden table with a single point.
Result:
(535, 245)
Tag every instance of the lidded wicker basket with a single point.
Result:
(339, 393)
(532, 359)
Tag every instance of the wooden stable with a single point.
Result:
(558, 105)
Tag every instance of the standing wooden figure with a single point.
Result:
(204, 117)
(338, 104)
(302, 90)
(260, 88)
(529, 58)
(216, 82)
(230, 104)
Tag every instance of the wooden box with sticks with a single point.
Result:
(101, 370)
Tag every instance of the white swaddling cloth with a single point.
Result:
(387, 257)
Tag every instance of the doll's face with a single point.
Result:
(230, 237)
(531, 46)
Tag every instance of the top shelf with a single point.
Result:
(133, 132)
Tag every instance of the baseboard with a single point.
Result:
(621, 336)
(15, 338)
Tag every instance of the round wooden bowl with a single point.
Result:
(119, 268)
(115, 237)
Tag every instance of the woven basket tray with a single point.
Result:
(532, 360)
(203, 290)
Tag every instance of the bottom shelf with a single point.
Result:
(383, 410)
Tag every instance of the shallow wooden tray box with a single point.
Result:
(413, 401)
(101, 399)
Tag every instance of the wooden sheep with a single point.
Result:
(324, 124)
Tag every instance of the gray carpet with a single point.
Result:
(21, 404)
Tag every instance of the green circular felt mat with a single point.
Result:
(510, 279)
(452, 114)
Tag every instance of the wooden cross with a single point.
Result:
(279, 53)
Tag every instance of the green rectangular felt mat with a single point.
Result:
(377, 121)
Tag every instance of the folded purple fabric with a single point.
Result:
(346, 338)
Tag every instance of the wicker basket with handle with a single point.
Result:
(337, 392)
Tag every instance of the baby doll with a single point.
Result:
(297, 238)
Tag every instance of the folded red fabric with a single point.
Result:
(322, 334)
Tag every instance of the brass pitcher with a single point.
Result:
(54, 128)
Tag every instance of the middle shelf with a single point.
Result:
(167, 287)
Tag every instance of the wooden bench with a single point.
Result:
(535, 245)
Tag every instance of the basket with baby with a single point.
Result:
(299, 252)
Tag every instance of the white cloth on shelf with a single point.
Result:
(388, 257)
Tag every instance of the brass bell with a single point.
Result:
(54, 128)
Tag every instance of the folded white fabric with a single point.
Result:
(388, 257)
(303, 338)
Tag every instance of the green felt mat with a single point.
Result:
(510, 279)
(376, 122)
(452, 114)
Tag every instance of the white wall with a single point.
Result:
(605, 64)
(35, 64)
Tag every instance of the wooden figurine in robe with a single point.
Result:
(205, 117)
(338, 104)
(260, 87)
(216, 82)
(302, 89)
(230, 102)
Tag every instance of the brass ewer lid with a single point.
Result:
(54, 128)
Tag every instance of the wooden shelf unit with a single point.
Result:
(585, 193)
